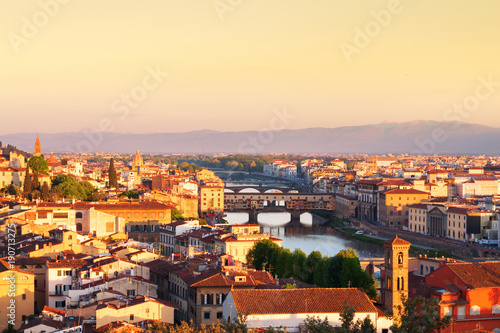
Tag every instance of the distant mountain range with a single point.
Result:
(424, 137)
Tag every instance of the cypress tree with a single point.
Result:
(27, 182)
(36, 183)
(113, 180)
(45, 191)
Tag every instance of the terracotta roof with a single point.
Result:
(477, 275)
(57, 325)
(68, 263)
(47, 308)
(404, 191)
(396, 241)
(293, 301)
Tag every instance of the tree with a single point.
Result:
(311, 264)
(27, 183)
(113, 180)
(258, 254)
(10, 329)
(68, 187)
(45, 191)
(299, 260)
(130, 194)
(420, 315)
(39, 165)
(316, 325)
(36, 182)
(348, 324)
(177, 215)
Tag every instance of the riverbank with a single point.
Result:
(372, 239)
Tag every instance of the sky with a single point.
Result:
(232, 65)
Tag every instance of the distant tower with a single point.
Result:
(38, 147)
(137, 162)
(395, 285)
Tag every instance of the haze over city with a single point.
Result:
(226, 66)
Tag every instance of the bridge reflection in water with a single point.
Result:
(301, 235)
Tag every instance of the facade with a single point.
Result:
(242, 239)
(211, 198)
(98, 223)
(346, 206)
(61, 277)
(142, 219)
(15, 303)
(468, 292)
(141, 309)
(393, 206)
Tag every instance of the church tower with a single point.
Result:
(38, 147)
(395, 286)
(137, 162)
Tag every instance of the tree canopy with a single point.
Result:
(39, 165)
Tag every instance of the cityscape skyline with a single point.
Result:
(188, 67)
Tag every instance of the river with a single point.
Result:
(306, 237)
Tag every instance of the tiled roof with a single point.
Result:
(68, 263)
(31, 260)
(404, 191)
(478, 275)
(57, 325)
(292, 301)
(397, 241)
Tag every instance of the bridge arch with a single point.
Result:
(273, 190)
(249, 190)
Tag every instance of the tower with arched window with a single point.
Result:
(395, 282)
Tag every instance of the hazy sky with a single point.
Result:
(87, 63)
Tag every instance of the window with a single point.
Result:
(24, 297)
(79, 215)
(78, 227)
(60, 215)
(131, 317)
(219, 315)
(59, 272)
(206, 315)
(131, 292)
(496, 309)
(448, 311)
(475, 310)
(400, 258)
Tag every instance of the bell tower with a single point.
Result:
(38, 147)
(395, 286)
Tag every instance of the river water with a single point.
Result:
(306, 237)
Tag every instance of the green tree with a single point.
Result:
(36, 182)
(27, 183)
(420, 315)
(320, 272)
(311, 264)
(317, 325)
(10, 329)
(39, 165)
(113, 179)
(177, 215)
(290, 286)
(258, 254)
(130, 194)
(45, 191)
(299, 260)
(281, 262)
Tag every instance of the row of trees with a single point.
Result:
(341, 271)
